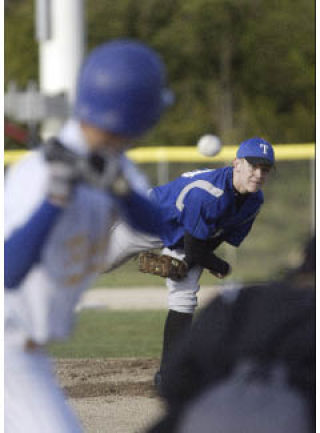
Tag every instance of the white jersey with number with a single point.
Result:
(41, 308)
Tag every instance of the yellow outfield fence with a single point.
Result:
(283, 152)
(227, 153)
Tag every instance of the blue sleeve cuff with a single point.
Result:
(22, 249)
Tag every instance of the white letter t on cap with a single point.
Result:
(264, 147)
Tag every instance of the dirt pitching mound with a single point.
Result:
(111, 395)
(82, 378)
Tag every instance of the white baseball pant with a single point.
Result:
(33, 400)
(126, 243)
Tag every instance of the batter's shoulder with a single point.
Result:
(28, 177)
(30, 165)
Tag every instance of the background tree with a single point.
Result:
(238, 67)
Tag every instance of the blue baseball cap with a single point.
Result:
(256, 151)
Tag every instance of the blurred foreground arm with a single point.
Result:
(23, 247)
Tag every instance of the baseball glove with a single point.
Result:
(162, 265)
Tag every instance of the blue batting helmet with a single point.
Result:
(122, 88)
(256, 150)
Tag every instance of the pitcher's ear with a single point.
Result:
(236, 163)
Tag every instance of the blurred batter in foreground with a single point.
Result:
(60, 203)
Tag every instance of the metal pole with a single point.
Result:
(312, 196)
(163, 172)
(43, 20)
(61, 34)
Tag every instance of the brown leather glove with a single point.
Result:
(162, 265)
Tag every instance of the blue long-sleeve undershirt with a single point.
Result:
(22, 249)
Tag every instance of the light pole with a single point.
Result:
(60, 32)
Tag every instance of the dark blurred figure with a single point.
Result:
(305, 274)
(248, 365)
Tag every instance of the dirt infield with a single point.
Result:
(114, 395)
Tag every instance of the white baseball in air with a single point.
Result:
(209, 145)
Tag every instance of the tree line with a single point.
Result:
(238, 68)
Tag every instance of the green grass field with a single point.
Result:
(114, 334)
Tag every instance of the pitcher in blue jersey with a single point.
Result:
(201, 209)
